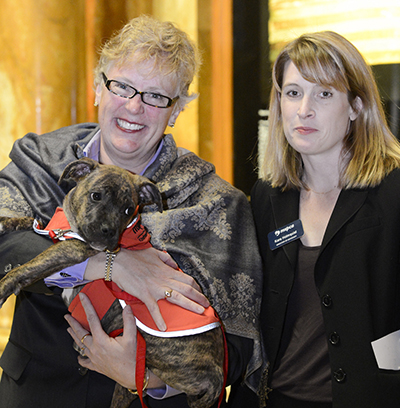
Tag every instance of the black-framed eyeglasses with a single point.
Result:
(149, 98)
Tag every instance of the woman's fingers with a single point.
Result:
(81, 336)
(76, 331)
(177, 298)
(113, 357)
(129, 323)
(91, 315)
(155, 313)
(167, 259)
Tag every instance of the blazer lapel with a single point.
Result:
(349, 202)
(285, 208)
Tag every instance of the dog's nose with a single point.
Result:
(107, 231)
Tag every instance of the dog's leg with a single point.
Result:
(53, 259)
(191, 364)
(9, 224)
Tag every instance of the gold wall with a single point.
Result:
(41, 68)
(372, 26)
(49, 50)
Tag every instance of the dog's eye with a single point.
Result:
(95, 196)
(129, 211)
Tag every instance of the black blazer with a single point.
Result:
(357, 276)
(40, 368)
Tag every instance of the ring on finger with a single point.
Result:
(82, 351)
(84, 337)
(168, 293)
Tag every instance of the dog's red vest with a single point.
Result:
(102, 294)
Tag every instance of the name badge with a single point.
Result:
(286, 234)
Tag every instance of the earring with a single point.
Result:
(172, 125)
(96, 103)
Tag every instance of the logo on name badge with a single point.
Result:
(285, 235)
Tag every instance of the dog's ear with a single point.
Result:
(78, 169)
(149, 194)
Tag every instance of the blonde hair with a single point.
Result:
(328, 59)
(145, 38)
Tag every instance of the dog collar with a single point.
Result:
(58, 228)
(135, 235)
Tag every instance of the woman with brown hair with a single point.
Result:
(327, 213)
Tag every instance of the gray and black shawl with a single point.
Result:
(206, 226)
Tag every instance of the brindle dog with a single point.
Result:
(99, 208)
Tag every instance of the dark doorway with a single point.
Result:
(388, 80)
(251, 79)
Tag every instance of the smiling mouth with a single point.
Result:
(123, 124)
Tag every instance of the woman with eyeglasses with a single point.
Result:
(142, 85)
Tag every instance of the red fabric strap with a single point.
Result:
(140, 365)
(221, 396)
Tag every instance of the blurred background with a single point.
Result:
(49, 49)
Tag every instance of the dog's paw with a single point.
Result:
(9, 224)
(17, 291)
(3, 229)
(2, 301)
(3, 298)
(7, 288)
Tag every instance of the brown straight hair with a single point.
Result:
(370, 150)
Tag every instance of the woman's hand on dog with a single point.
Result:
(113, 357)
(147, 274)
